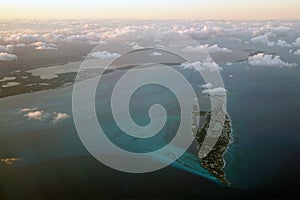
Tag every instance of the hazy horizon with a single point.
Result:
(152, 10)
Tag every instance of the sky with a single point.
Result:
(151, 9)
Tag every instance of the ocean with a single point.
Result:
(263, 104)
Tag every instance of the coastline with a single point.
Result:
(214, 161)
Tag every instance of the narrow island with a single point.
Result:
(214, 161)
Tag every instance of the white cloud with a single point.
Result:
(36, 44)
(103, 55)
(27, 110)
(230, 76)
(36, 115)
(201, 66)
(7, 57)
(210, 49)
(262, 59)
(297, 52)
(264, 39)
(228, 63)
(45, 48)
(282, 43)
(207, 85)
(20, 45)
(23, 38)
(155, 54)
(220, 91)
(297, 42)
(134, 45)
(7, 49)
(60, 116)
(9, 161)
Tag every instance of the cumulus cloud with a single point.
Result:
(297, 42)
(201, 66)
(135, 45)
(155, 54)
(60, 116)
(23, 38)
(220, 91)
(282, 43)
(7, 57)
(35, 115)
(103, 55)
(20, 45)
(264, 39)
(207, 85)
(27, 110)
(262, 59)
(297, 52)
(9, 161)
(38, 114)
(228, 63)
(45, 48)
(210, 49)
(7, 49)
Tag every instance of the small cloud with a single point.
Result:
(7, 49)
(7, 57)
(9, 161)
(207, 86)
(297, 42)
(228, 63)
(60, 116)
(264, 39)
(230, 76)
(27, 110)
(20, 45)
(210, 49)
(134, 45)
(283, 43)
(35, 115)
(45, 48)
(297, 52)
(201, 66)
(155, 54)
(103, 55)
(262, 59)
(220, 91)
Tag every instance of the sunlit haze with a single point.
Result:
(154, 9)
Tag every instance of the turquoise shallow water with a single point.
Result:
(38, 141)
